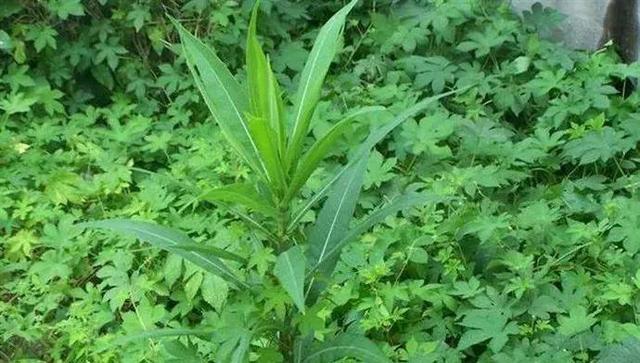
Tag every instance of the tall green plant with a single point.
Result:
(254, 120)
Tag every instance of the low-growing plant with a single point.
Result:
(271, 139)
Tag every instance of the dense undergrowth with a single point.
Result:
(526, 252)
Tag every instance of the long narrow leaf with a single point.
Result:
(300, 212)
(242, 194)
(225, 98)
(266, 140)
(336, 213)
(168, 239)
(403, 202)
(218, 252)
(265, 122)
(319, 150)
(377, 135)
(257, 80)
(347, 346)
(324, 50)
(289, 269)
(374, 137)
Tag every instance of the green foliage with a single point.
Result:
(523, 245)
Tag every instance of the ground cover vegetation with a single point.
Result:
(456, 189)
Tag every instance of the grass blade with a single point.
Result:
(347, 345)
(169, 240)
(324, 50)
(289, 269)
(226, 100)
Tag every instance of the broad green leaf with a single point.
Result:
(577, 321)
(289, 269)
(226, 100)
(403, 202)
(215, 291)
(336, 213)
(319, 150)
(324, 50)
(264, 93)
(243, 194)
(346, 346)
(170, 240)
(484, 324)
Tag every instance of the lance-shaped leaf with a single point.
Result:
(218, 252)
(346, 346)
(225, 98)
(365, 148)
(264, 93)
(400, 203)
(319, 150)
(169, 240)
(290, 269)
(336, 213)
(266, 140)
(243, 194)
(324, 50)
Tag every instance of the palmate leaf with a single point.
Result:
(289, 269)
(170, 240)
(225, 98)
(324, 50)
(346, 346)
(377, 135)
